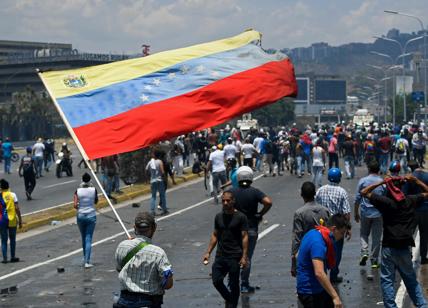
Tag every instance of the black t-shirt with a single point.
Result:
(229, 233)
(247, 201)
(349, 148)
(398, 219)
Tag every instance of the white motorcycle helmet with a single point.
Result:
(245, 175)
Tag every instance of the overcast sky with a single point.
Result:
(124, 25)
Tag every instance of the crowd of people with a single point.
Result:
(389, 204)
(391, 201)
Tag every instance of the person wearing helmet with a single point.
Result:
(394, 168)
(335, 199)
(218, 171)
(27, 169)
(247, 200)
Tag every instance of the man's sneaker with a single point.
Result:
(363, 260)
(88, 265)
(159, 207)
(166, 212)
(375, 265)
(14, 260)
(248, 289)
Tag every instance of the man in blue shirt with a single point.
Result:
(369, 217)
(7, 154)
(316, 254)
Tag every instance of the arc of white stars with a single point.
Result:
(148, 87)
(215, 74)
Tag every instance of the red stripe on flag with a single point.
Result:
(206, 107)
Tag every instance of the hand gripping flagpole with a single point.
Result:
(83, 153)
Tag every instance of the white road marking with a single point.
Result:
(74, 252)
(401, 292)
(59, 184)
(267, 231)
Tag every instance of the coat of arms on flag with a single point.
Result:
(73, 81)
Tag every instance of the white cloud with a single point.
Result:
(103, 26)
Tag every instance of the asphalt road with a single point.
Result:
(184, 235)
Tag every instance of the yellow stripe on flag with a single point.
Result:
(71, 82)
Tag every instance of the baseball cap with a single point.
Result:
(144, 220)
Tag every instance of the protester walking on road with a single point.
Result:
(85, 198)
(38, 153)
(398, 212)
(306, 218)
(231, 237)
(369, 217)
(27, 169)
(218, 170)
(11, 218)
(318, 163)
(7, 154)
(335, 199)
(247, 200)
(144, 269)
(157, 172)
(316, 254)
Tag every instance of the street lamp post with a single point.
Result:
(424, 31)
(403, 53)
(385, 99)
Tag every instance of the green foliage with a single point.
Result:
(411, 107)
(276, 114)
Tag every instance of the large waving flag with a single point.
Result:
(127, 105)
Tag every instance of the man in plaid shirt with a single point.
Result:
(335, 199)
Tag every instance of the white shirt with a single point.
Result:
(248, 150)
(257, 143)
(230, 151)
(317, 156)
(217, 161)
(38, 149)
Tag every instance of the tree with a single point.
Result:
(411, 108)
(276, 114)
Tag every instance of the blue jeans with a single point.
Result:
(6, 164)
(399, 259)
(158, 187)
(86, 226)
(349, 166)
(107, 184)
(383, 161)
(317, 175)
(137, 301)
(338, 247)
(252, 241)
(39, 165)
(5, 231)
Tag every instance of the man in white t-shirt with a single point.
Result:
(218, 170)
(248, 152)
(38, 153)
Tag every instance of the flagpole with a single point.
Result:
(83, 153)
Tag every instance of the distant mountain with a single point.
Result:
(350, 59)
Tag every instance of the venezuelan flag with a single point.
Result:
(127, 105)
